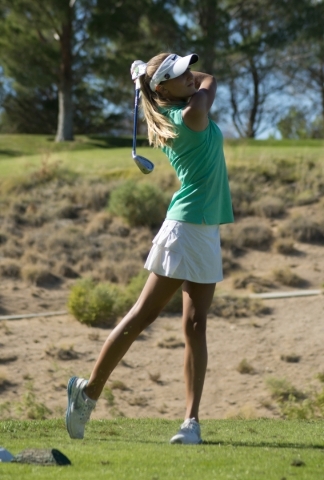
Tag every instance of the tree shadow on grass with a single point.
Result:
(10, 153)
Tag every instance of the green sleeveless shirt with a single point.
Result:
(198, 159)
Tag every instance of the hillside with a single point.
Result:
(55, 228)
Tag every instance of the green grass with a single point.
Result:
(139, 449)
(99, 155)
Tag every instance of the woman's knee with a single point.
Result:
(138, 319)
(195, 327)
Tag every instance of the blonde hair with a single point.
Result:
(160, 129)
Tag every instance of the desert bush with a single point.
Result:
(64, 270)
(294, 403)
(175, 304)
(170, 342)
(229, 239)
(139, 204)
(245, 368)
(94, 304)
(66, 238)
(288, 278)
(242, 196)
(47, 172)
(282, 390)
(252, 234)
(92, 194)
(127, 269)
(3, 238)
(34, 257)
(228, 263)
(268, 206)
(256, 284)
(303, 229)
(237, 307)
(249, 234)
(118, 228)
(285, 246)
(99, 223)
(30, 408)
(39, 275)
(10, 269)
(135, 287)
(136, 284)
(306, 197)
(66, 209)
(290, 358)
(12, 249)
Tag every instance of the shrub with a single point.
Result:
(254, 234)
(228, 263)
(39, 275)
(94, 304)
(269, 207)
(288, 278)
(306, 197)
(135, 287)
(175, 304)
(139, 204)
(241, 197)
(257, 284)
(99, 223)
(303, 229)
(285, 246)
(237, 307)
(250, 233)
(133, 290)
(3, 238)
(296, 404)
(282, 390)
(10, 269)
(244, 367)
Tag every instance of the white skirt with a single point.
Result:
(187, 251)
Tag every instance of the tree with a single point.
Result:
(296, 125)
(239, 42)
(250, 64)
(73, 46)
(304, 66)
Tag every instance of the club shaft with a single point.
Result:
(137, 92)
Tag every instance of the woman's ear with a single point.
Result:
(161, 89)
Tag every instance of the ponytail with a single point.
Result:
(160, 129)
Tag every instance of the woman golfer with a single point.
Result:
(186, 251)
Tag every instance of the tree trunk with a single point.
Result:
(250, 132)
(208, 19)
(65, 116)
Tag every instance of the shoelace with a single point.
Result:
(191, 426)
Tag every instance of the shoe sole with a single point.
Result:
(68, 410)
(180, 442)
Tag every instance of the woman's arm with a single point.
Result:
(195, 115)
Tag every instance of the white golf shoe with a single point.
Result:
(79, 408)
(189, 433)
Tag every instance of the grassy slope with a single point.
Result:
(19, 153)
(139, 449)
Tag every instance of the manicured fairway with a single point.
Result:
(139, 449)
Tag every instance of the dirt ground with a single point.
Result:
(38, 355)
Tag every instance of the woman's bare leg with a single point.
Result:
(156, 293)
(197, 299)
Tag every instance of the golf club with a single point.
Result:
(145, 165)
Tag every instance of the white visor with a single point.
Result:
(173, 66)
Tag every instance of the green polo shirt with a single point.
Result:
(199, 162)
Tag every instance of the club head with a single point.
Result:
(145, 165)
